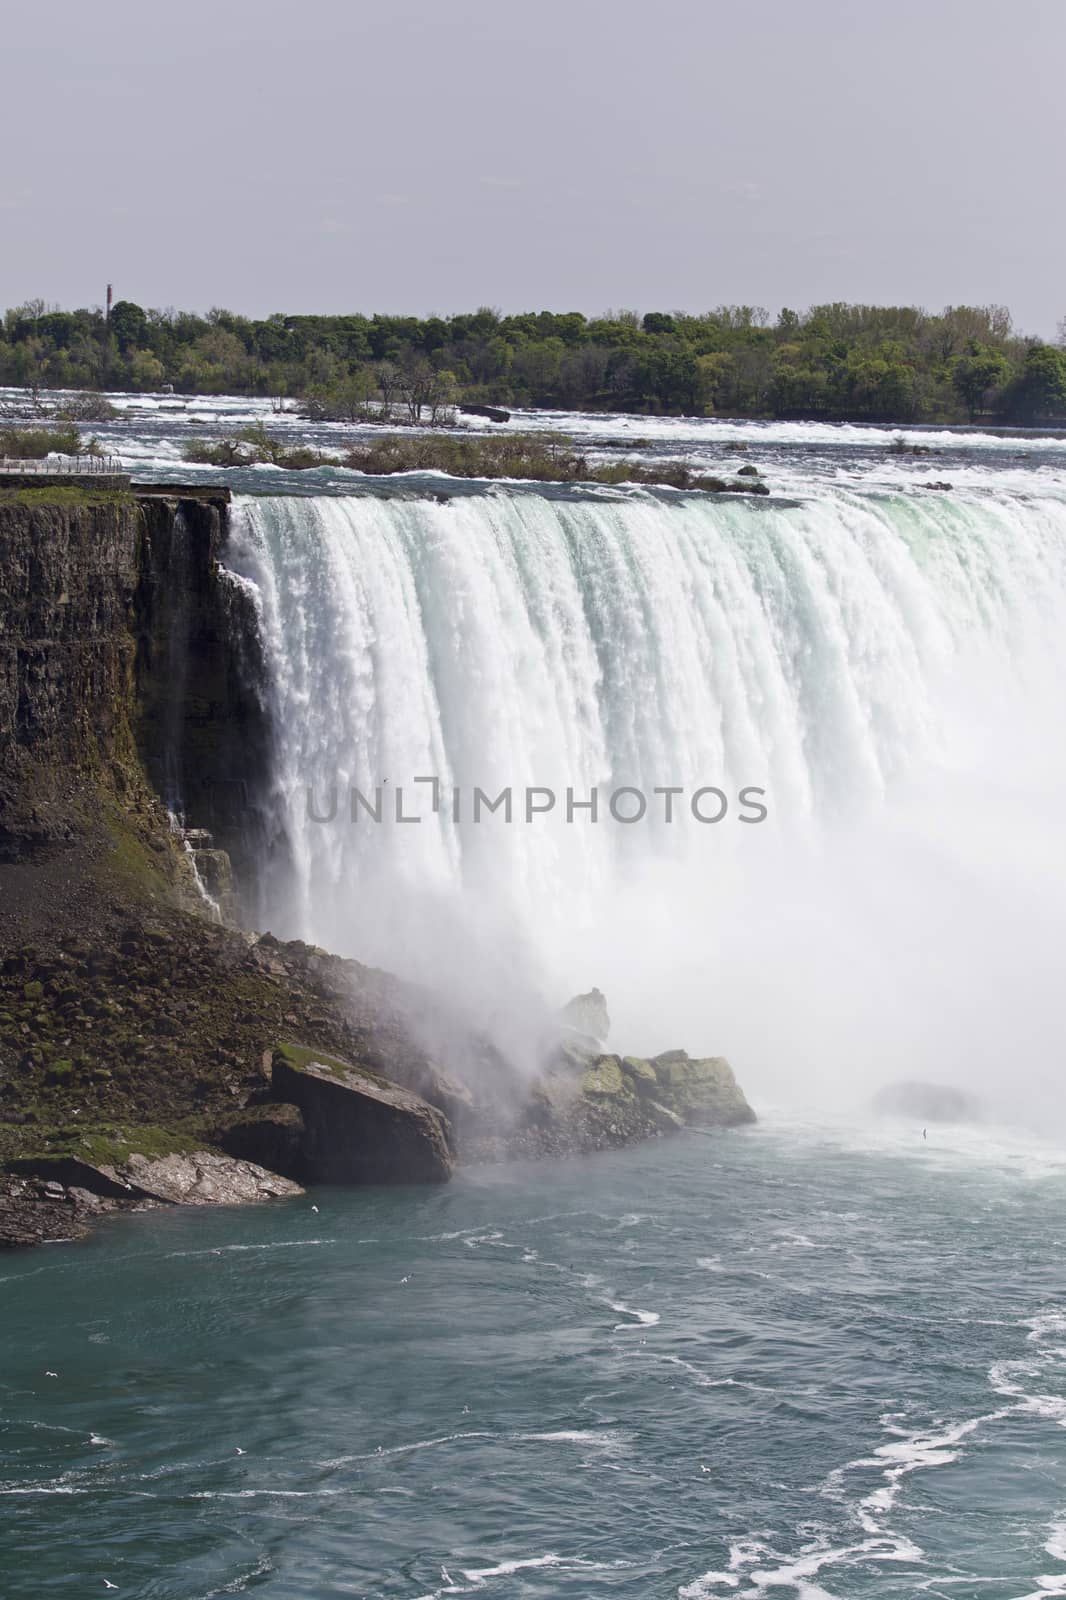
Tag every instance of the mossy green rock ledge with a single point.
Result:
(699, 1091)
(359, 1128)
(702, 1089)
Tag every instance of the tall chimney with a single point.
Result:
(109, 299)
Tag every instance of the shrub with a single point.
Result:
(252, 447)
(543, 457)
(33, 444)
(87, 408)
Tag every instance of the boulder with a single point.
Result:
(605, 1078)
(643, 1074)
(703, 1090)
(490, 413)
(359, 1127)
(587, 1014)
(28, 1217)
(270, 1135)
(206, 1178)
(188, 1178)
(927, 1102)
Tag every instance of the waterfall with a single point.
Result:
(882, 665)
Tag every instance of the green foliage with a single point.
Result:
(129, 324)
(33, 444)
(63, 494)
(249, 447)
(299, 1057)
(976, 373)
(111, 1145)
(834, 361)
(1040, 390)
(87, 408)
(545, 458)
(541, 457)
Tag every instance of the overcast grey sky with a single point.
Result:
(414, 156)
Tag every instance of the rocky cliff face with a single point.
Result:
(68, 573)
(201, 724)
(128, 668)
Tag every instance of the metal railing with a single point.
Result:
(64, 466)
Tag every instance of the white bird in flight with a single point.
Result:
(315, 1210)
(51, 1374)
(240, 1452)
(110, 1585)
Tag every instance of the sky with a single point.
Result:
(418, 156)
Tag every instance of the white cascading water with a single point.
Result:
(884, 665)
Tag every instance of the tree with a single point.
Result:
(416, 386)
(129, 324)
(975, 373)
(146, 370)
(1041, 389)
(442, 393)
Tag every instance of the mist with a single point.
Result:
(884, 669)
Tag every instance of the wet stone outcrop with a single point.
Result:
(587, 1015)
(587, 1100)
(41, 1211)
(360, 1128)
(60, 1199)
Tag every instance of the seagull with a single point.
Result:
(703, 1468)
(240, 1452)
(315, 1210)
(51, 1374)
(405, 1280)
(110, 1585)
(925, 1133)
(445, 1574)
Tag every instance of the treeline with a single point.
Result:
(836, 362)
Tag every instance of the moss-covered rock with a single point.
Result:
(643, 1074)
(604, 1079)
(359, 1127)
(703, 1090)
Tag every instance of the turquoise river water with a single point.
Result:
(804, 1360)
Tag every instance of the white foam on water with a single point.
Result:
(506, 1569)
(242, 1249)
(643, 1319)
(1023, 1379)
(266, 1494)
(605, 1439)
(477, 1577)
(262, 1568)
(750, 1575)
